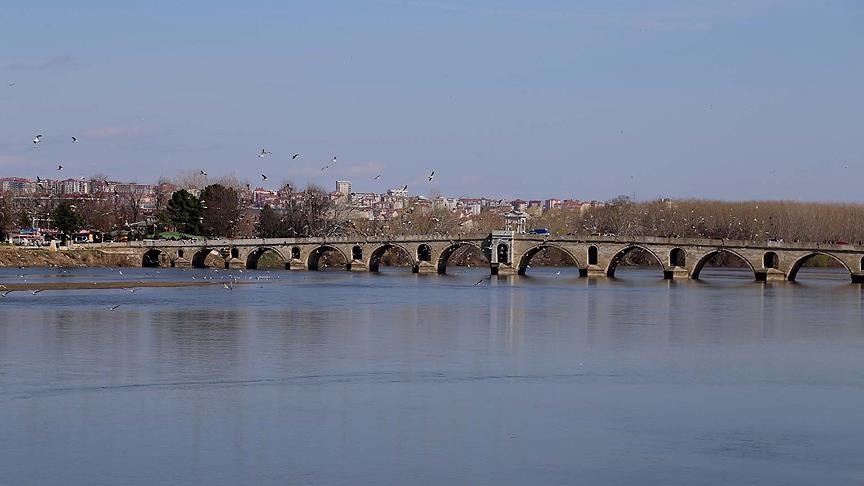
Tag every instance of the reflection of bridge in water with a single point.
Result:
(507, 253)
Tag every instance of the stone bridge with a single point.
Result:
(507, 252)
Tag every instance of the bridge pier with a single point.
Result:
(425, 267)
(770, 275)
(235, 263)
(592, 271)
(181, 263)
(296, 265)
(502, 269)
(357, 266)
(858, 278)
(676, 273)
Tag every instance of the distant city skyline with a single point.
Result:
(719, 100)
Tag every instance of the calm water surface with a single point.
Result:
(354, 378)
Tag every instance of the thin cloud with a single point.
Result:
(118, 132)
(63, 61)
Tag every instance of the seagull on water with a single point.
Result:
(113, 307)
(480, 282)
(36, 291)
(4, 294)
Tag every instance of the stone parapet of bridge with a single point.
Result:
(506, 252)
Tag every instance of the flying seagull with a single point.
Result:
(377, 177)
(228, 287)
(113, 307)
(4, 294)
(405, 187)
(264, 153)
(480, 282)
(431, 176)
(334, 160)
(59, 167)
(295, 156)
(11, 84)
(202, 172)
(325, 168)
(74, 139)
(37, 139)
(263, 177)
(36, 291)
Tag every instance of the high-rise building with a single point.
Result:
(343, 187)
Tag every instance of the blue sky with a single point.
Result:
(722, 99)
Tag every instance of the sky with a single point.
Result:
(745, 99)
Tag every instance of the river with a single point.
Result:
(395, 378)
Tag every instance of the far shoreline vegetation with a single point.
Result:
(223, 209)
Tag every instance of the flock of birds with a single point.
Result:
(37, 140)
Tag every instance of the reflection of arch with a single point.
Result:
(707, 257)
(424, 253)
(525, 260)
(793, 272)
(252, 259)
(770, 260)
(315, 256)
(448, 252)
(199, 259)
(503, 253)
(295, 252)
(375, 258)
(677, 257)
(153, 258)
(357, 252)
(613, 264)
(592, 255)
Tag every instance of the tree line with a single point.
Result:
(220, 210)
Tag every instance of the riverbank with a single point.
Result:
(17, 256)
(30, 286)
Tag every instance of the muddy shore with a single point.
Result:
(16, 256)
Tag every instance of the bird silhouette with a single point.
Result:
(264, 153)
(431, 176)
(295, 156)
(74, 139)
(113, 307)
(59, 167)
(203, 172)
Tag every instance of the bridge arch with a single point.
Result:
(375, 257)
(796, 266)
(620, 254)
(254, 256)
(770, 260)
(424, 253)
(199, 259)
(697, 269)
(153, 258)
(314, 258)
(677, 257)
(592, 255)
(526, 257)
(450, 250)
